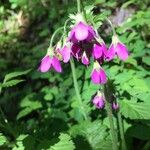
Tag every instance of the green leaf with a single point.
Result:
(134, 110)
(146, 60)
(65, 143)
(143, 132)
(2, 139)
(29, 104)
(24, 112)
(11, 83)
(15, 74)
(94, 132)
(139, 84)
(19, 144)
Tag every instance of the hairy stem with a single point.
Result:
(79, 6)
(111, 122)
(123, 142)
(77, 89)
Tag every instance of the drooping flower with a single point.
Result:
(98, 75)
(66, 52)
(117, 48)
(48, 61)
(80, 32)
(85, 59)
(115, 106)
(99, 50)
(98, 100)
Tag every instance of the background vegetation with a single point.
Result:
(39, 111)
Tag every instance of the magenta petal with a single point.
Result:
(56, 64)
(66, 51)
(95, 77)
(45, 64)
(103, 77)
(110, 53)
(122, 51)
(81, 31)
(97, 51)
(85, 59)
(115, 106)
(75, 49)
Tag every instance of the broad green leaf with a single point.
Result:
(15, 74)
(65, 143)
(139, 84)
(146, 60)
(94, 132)
(143, 132)
(135, 110)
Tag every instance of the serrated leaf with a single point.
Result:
(15, 74)
(94, 132)
(65, 143)
(11, 83)
(135, 110)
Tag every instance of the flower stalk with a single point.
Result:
(111, 122)
(77, 89)
(123, 142)
(79, 6)
(54, 34)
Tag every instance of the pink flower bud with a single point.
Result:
(115, 106)
(98, 101)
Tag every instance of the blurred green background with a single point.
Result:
(39, 110)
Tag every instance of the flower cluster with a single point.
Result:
(84, 43)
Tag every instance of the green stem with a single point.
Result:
(111, 122)
(77, 89)
(65, 26)
(123, 142)
(54, 34)
(113, 29)
(79, 6)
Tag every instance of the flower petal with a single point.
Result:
(45, 64)
(103, 78)
(110, 53)
(122, 51)
(56, 64)
(81, 31)
(85, 59)
(66, 51)
(97, 51)
(95, 77)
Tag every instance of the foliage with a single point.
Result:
(41, 111)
